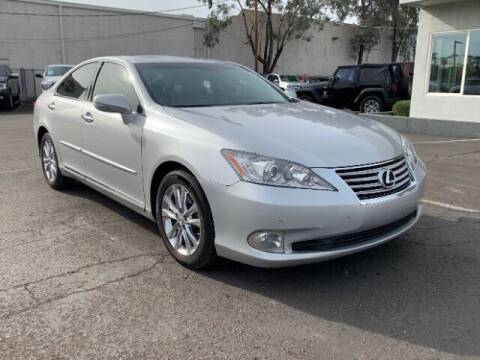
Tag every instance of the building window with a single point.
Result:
(449, 54)
(472, 77)
(446, 67)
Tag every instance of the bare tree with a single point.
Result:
(280, 22)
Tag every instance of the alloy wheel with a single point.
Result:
(371, 106)
(49, 161)
(181, 219)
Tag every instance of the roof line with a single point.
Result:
(110, 8)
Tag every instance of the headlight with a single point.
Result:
(265, 170)
(3, 86)
(409, 152)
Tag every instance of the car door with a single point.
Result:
(65, 121)
(343, 89)
(113, 142)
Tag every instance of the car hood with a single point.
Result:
(310, 134)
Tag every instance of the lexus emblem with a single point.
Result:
(387, 178)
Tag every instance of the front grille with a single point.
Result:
(365, 180)
(342, 241)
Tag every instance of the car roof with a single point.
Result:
(139, 59)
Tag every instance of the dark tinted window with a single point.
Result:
(206, 84)
(114, 79)
(4, 70)
(373, 75)
(77, 83)
(345, 75)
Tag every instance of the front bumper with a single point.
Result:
(243, 208)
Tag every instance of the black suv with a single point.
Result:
(368, 88)
(9, 88)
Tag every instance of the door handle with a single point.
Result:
(87, 117)
(51, 106)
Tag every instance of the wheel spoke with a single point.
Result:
(178, 239)
(170, 204)
(194, 222)
(191, 236)
(187, 239)
(168, 213)
(178, 197)
(173, 231)
(192, 210)
(53, 169)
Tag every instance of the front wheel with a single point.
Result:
(371, 105)
(185, 220)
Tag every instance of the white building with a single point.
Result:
(446, 82)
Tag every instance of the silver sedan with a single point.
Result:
(225, 163)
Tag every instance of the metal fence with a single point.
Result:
(29, 84)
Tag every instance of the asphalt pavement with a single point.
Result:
(82, 277)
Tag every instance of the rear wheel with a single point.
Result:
(185, 220)
(371, 104)
(50, 167)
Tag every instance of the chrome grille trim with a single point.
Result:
(364, 179)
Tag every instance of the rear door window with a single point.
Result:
(373, 75)
(77, 84)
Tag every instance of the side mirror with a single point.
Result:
(39, 76)
(13, 76)
(45, 85)
(112, 103)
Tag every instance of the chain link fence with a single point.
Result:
(29, 84)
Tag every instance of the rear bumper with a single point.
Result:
(302, 215)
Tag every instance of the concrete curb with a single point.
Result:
(459, 129)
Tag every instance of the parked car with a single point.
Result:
(309, 79)
(9, 87)
(369, 88)
(52, 74)
(288, 83)
(225, 163)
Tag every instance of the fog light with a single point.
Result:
(269, 241)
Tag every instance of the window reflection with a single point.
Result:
(448, 56)
(472, 78)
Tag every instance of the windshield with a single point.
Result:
(57, 70)
(289, 78)
(206, 84)
(3, 71)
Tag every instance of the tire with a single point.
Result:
(371, 104)
(50, 168)
(306, 97)
(10, 103)
(180, 225)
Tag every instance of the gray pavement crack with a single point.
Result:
(61, 297)
(79, 269)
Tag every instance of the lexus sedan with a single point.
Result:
(225, 163)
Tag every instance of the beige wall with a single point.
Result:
(447, 17)
(329, 48)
